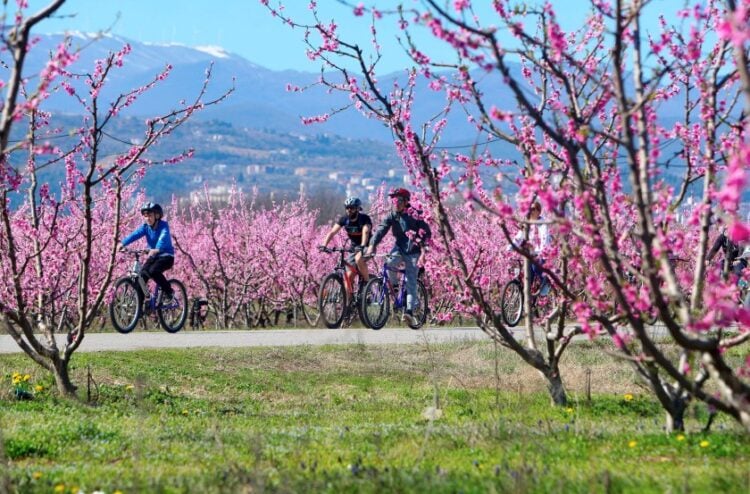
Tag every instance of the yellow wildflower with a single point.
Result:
(38, 388)
(680, 437)
(26, 377)
(628, 397)
(569, 410)
(37, 475)
(632, 444)
(704, 444)
(60, 488)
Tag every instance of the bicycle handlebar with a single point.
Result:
(330, 250)
(134, 252)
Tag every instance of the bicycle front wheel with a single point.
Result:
(332, 301)
(420, 308)
(512, 303)
(375, 304)
(172, 316)
(125, 308)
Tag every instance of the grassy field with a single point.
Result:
(450, 418)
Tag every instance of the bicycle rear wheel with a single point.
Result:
(172, 316)
(512, 303)
(420, 308)
(332, 301)
(376, 304)
(125, 308)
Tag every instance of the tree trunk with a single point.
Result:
(556, 388)
(676, 420)
(745, 419)
(62, 378)
(676, 409)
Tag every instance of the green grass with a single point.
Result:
(351, 419)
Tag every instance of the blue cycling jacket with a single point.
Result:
(156, 238)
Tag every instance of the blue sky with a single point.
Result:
(245, 27)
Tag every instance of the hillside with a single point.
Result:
(255, 137)
(269, 160)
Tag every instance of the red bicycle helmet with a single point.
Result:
(400, 193)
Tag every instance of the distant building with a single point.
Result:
(255, 169)
(219, 194)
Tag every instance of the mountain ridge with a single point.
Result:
(260, 101)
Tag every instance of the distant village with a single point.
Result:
(277, 170)
(349, 183)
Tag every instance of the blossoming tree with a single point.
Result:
(58, 250)
(584, 117)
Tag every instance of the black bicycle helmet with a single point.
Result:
(353, 202)
(153, 207)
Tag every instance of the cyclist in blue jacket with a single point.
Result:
(410, 234)
(161, 251)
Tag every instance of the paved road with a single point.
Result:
(139, 340)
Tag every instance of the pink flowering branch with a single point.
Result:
(58, 251)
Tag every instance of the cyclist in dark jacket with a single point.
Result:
(410, 234)
(161, 251)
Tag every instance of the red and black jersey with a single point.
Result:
(354, 227)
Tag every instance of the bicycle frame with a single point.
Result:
(535, 279)
(348, 270)
(399, 298)
(135, 275)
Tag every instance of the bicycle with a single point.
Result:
(128, 304)
(380, 291)
(198, 312)
(338, 302)
(511, 302)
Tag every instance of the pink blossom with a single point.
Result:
(739, 232)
